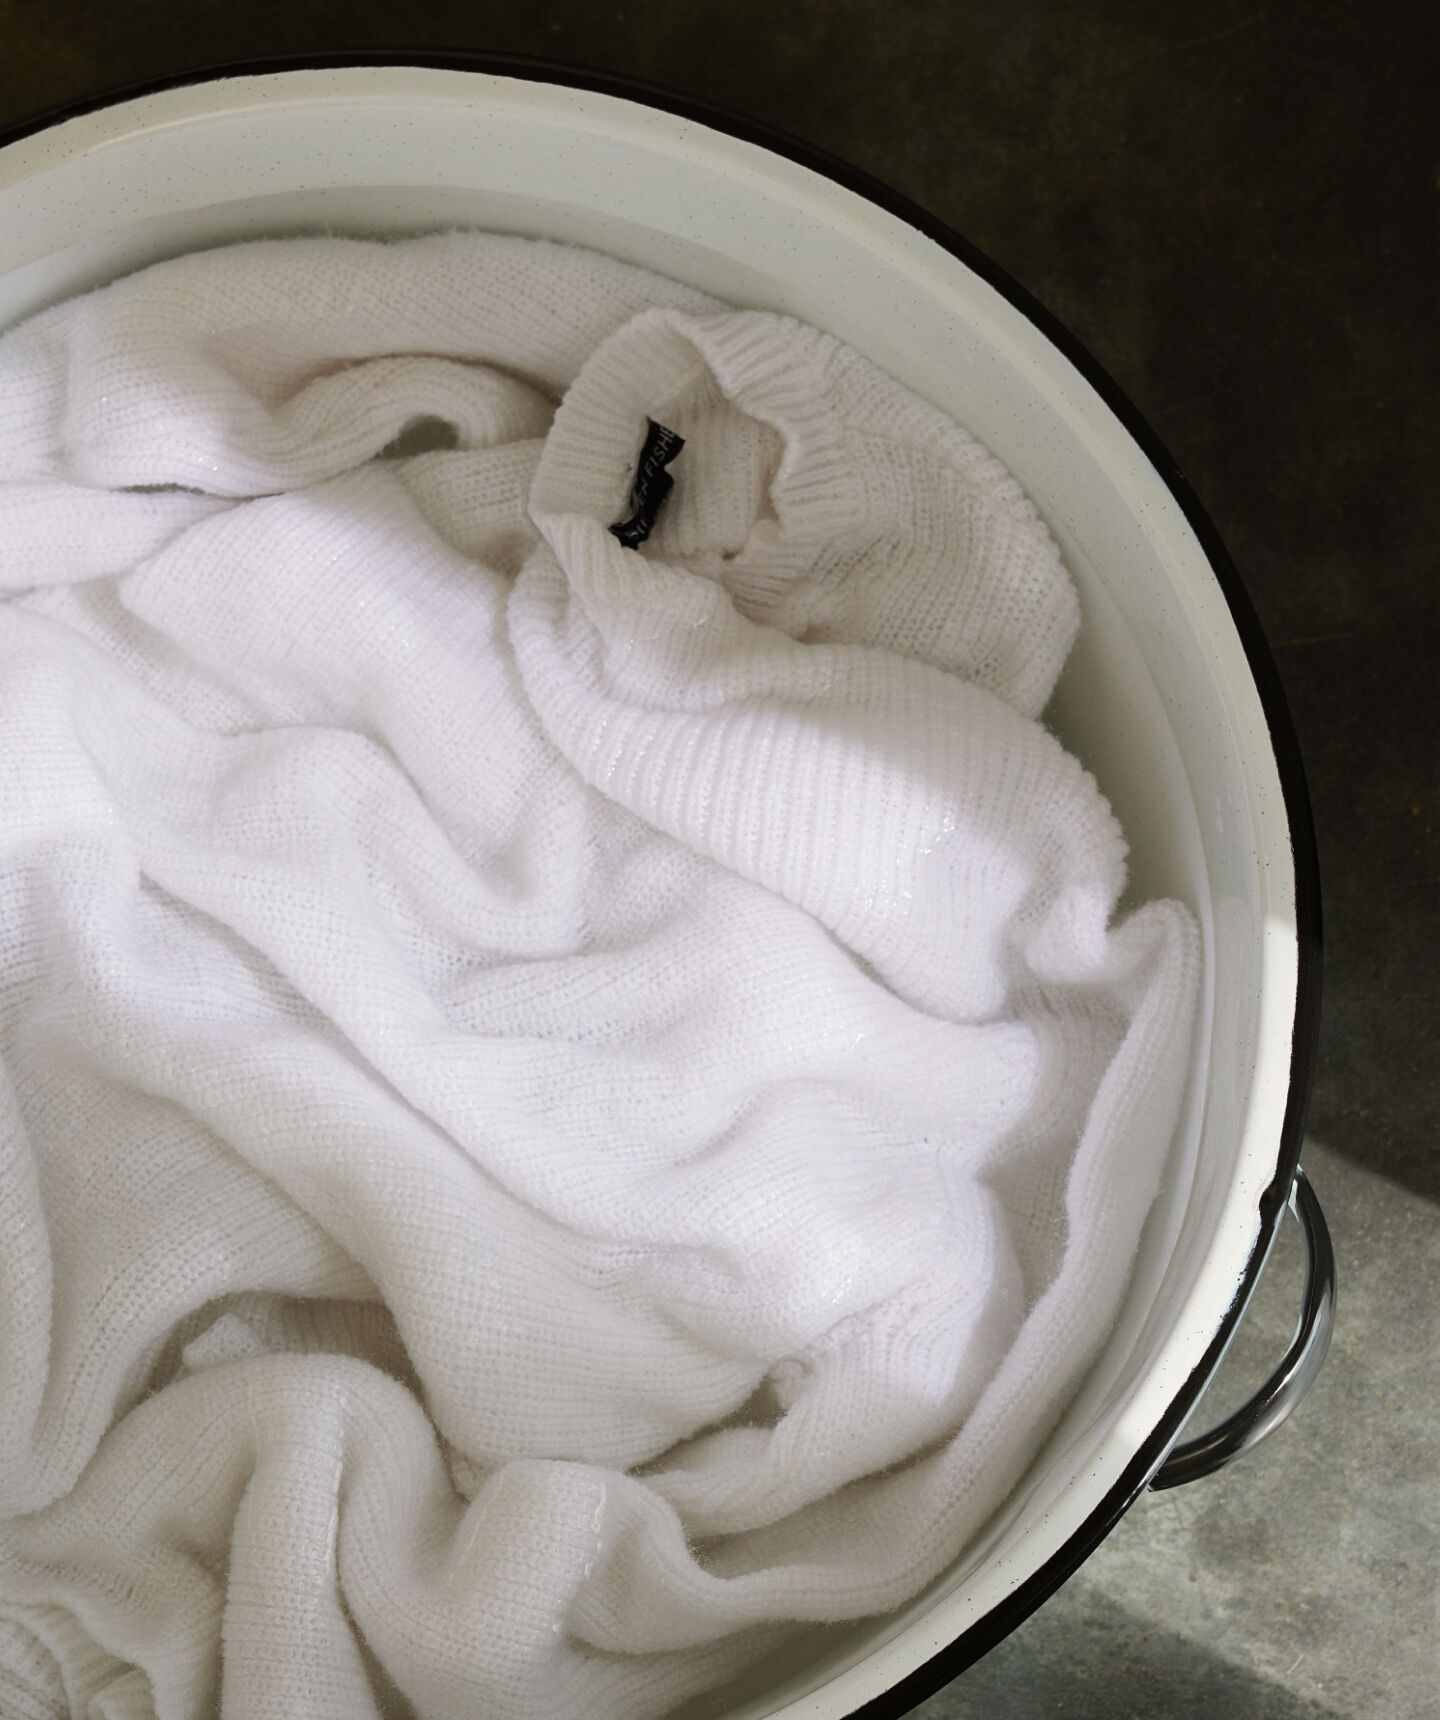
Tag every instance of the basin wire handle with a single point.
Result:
(1296, 1374)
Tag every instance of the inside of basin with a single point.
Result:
(1157, 700)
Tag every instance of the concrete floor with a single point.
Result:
(1233, 207)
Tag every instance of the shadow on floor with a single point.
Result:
(1085, 1658)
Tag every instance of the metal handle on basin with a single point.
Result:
(1295, 1375)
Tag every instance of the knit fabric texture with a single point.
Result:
(566, 1109)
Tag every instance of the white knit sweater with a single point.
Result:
(562, 1107)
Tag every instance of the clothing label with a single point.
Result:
(652, 484)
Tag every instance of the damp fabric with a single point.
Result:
(565, 1109)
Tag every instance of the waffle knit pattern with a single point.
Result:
(564, 1108)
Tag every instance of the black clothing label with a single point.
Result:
(652, 484)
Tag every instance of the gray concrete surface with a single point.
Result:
(1234, 207)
